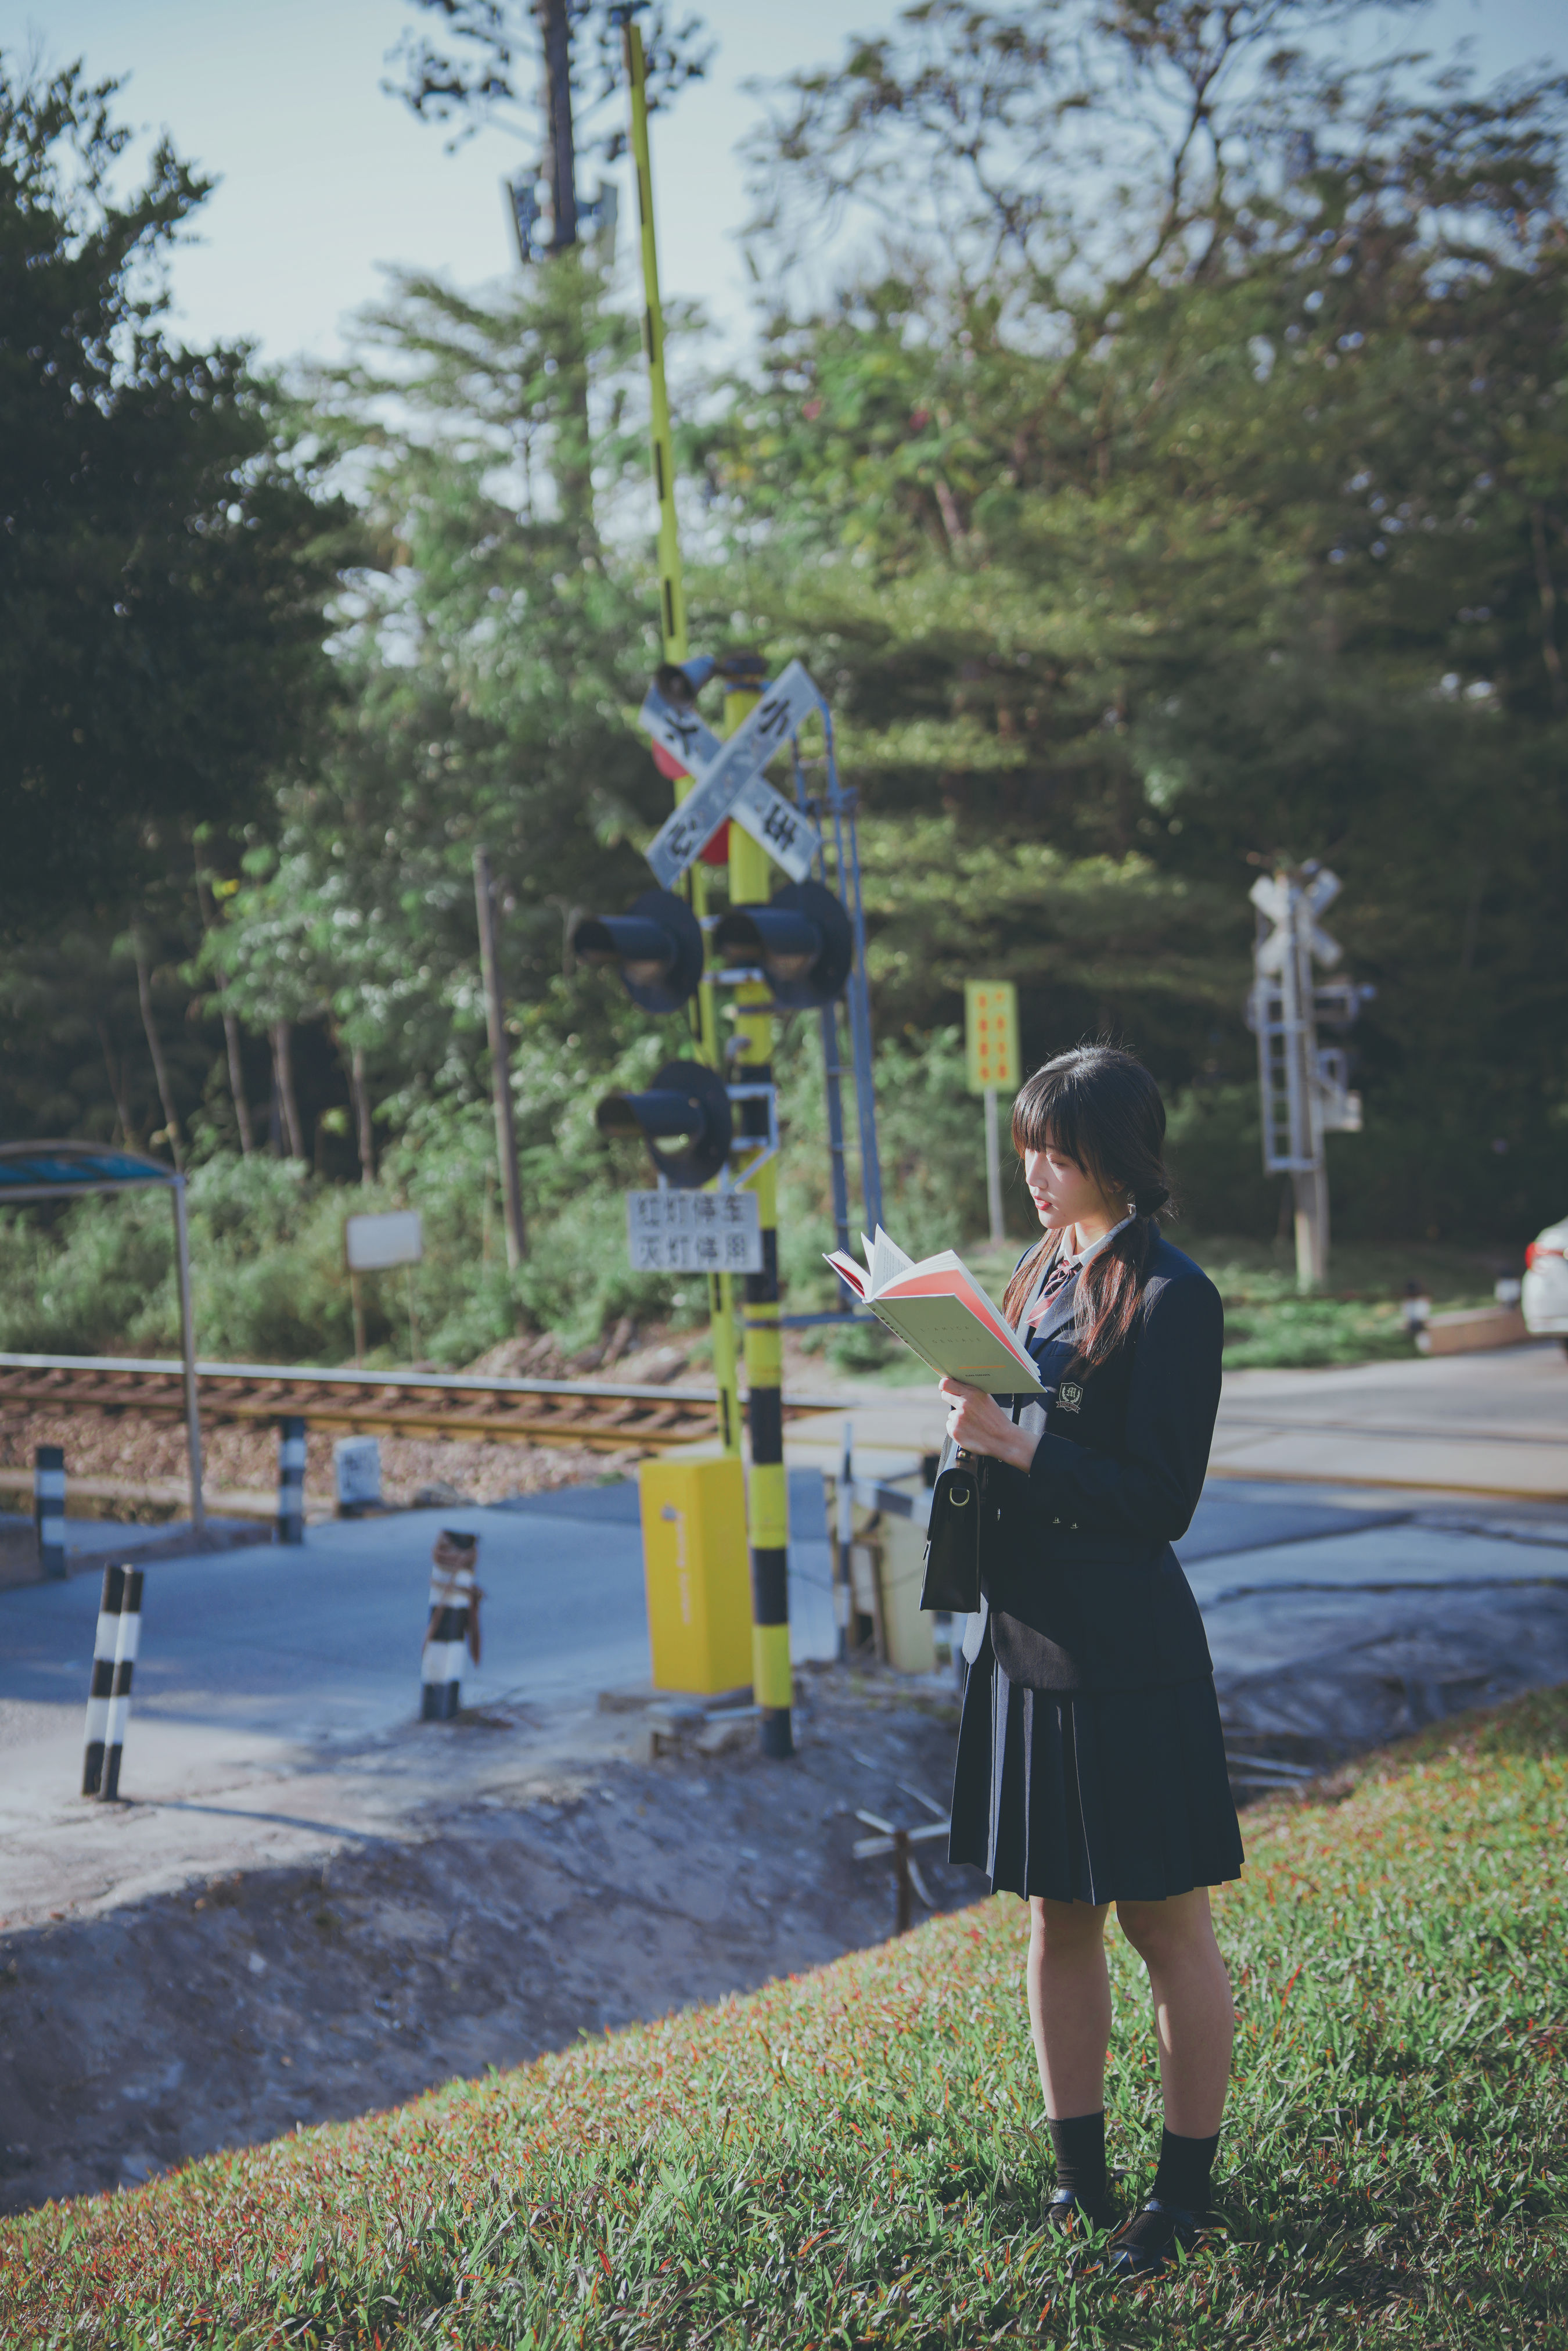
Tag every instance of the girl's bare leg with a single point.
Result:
(1069, 2004)
(1193, 2015)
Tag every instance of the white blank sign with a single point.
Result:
(392, 1238)
(694, 1232)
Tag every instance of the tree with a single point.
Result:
(1181, 513)
(475, 71)
(489, 669)
(166, 560)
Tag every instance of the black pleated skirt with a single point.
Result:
(1093, 1796)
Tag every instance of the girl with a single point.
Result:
(1091, 1767)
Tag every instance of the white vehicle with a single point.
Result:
(1543, 1294)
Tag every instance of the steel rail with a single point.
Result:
(602, 1414)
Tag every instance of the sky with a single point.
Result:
(324, 179)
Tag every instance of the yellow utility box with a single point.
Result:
(698, 1574)
(911, 1637)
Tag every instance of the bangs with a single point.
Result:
(1047, 1115)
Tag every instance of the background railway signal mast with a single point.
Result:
(1303, 1085)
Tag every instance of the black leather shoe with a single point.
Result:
(1068, 2210)
(1151, 2239)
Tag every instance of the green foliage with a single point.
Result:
(165, 560)
(858, 2153)
(490, 671)
(1357, 1319)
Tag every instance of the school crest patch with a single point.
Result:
(1069, 1395)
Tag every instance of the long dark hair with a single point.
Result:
(1100, 1107)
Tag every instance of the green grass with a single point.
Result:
(856, 2157)
(1356, 1318)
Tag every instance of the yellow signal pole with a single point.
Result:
(672, 630)
(767, 1496)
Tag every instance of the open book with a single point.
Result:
(939, 1309)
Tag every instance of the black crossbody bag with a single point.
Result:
(952, 1544)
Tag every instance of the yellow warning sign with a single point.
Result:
(991, 1035)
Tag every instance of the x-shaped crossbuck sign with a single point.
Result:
(729, 780)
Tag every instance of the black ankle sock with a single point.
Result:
(1080, 2145)
(1185, 2165)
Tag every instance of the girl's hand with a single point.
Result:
(977, 1423)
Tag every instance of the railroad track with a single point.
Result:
(603, 1415)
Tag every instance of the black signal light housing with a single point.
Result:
(801, 940)
(685, 1118)
(657, 946)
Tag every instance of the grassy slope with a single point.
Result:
(855, 2156)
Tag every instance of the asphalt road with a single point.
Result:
(276, 1691)
(1492, 1424)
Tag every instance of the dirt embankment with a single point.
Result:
(578, 1899)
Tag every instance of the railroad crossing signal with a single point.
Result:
(658, 947)
(1302, 1086)
(801, 941)
(991, 1036)
(685, 1118)
(729, 780)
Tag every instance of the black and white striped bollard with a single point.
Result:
(291, 1480)
(125, 1650)
(453, 1624)
(101, 1687)
(49, 1507)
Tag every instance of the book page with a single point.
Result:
(895, 1325)
(847, 1270)
(949, 1275)
(888, 1261)
(944, 1331)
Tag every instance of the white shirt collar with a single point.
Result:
(1080, 1257)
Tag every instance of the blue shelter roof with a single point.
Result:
(50, 1171)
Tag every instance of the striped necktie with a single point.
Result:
(1055, 1282)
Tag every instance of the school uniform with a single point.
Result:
(1091, 1764)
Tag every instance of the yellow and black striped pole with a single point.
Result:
(767, 1494)
(672, 631)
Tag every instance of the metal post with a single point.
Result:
(452, 1597)
(500, 1071)
(994, 1170)
(833, 1070)
(188, 1350)
(291, 1480)
(672, 591)
(833, 1075)
(676, 646)
(127, 1642)
(49, 1508)
(857, 994)
(100, 1688)
(1281, 1010)
(1310, 1187)
(844, 1538)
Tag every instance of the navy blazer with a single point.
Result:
(1083, 1588)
